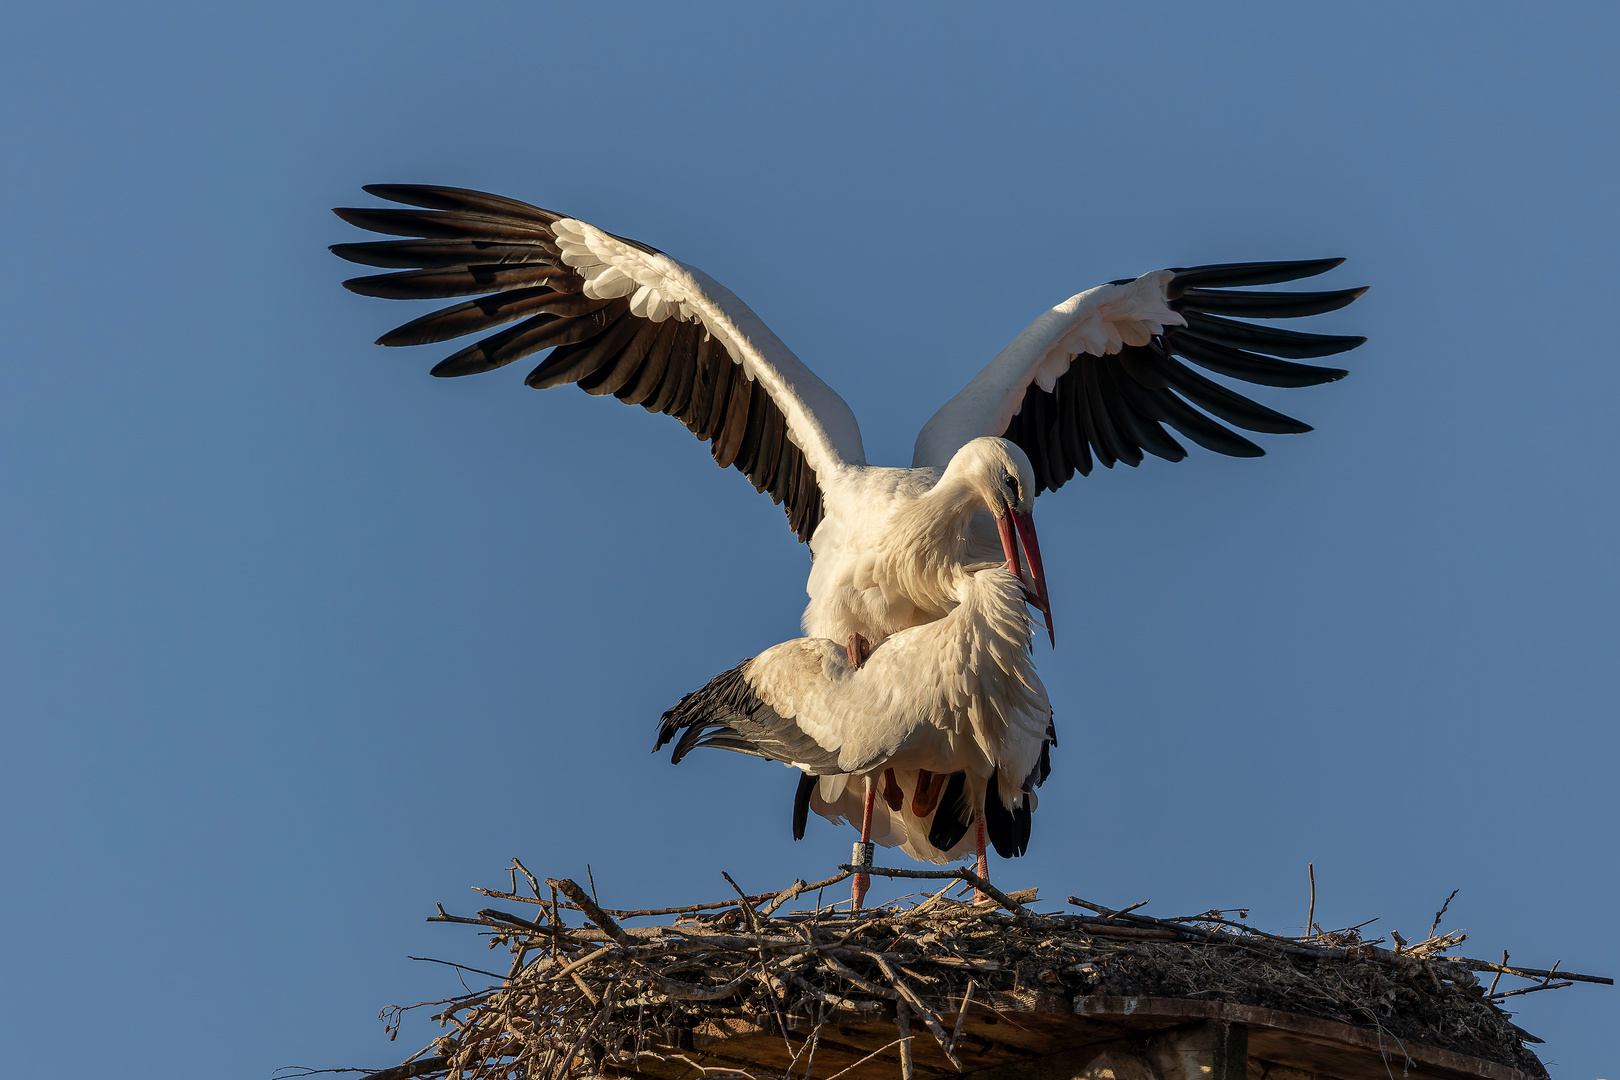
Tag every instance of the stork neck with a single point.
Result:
(936, 526)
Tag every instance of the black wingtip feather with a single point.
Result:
(1250, 367)
(1265, 305)
(1216, 275)
(1234, 408)
(445, 224)
(434, 197)
(1291, 344)
(441, 253)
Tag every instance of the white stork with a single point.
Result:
(955, 698)
(1093, 379)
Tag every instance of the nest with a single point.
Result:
(588, 993)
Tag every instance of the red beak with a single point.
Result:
(1025, 526)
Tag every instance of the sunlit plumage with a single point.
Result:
(899, 553)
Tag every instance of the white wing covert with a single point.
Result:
(621, 318)
(1098, 376)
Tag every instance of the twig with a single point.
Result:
(506, 917)
(748, 909)
(810, 1045)
(1115, 930)
(923, 1010)
(1310, 916)
(1531, 973)
(601, 918)
(410, 1069)
(833, 999)
(556, 923)
(1442, 911)
(865, 1059)
(776, 899)
(961, 1014)
(795, 890)
(855, 980)
(933, 899)
(534, 885)
(579, 984)
(693, 992)
(1498, 976)
(1531, 989)
(448, 963)
(903, 1023)
(960, 873)
(579, 964)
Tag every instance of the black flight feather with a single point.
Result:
(434, 197)
(1221, 275)
(440, 254)
(1261, 370)
(952, 816)
(1264, 305)
(439, 282)
(1287, 343)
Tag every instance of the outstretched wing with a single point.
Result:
(1099, 377)
(620, 318)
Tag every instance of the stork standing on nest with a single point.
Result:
(1094, 380)
(956, 698)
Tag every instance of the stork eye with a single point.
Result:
(1012, 483)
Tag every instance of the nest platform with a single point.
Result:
(933, 986)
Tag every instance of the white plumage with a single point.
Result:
(956, 695)
(1096, 379)
(884, 539)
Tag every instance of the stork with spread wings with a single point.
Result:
(1097, 379)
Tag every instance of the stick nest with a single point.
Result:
(589, 994)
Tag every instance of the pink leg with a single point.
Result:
(862, 882)
(982, 867)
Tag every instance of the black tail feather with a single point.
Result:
(953, 815)
(1008, 830)
(801, 804)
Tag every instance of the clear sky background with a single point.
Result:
(296, 641)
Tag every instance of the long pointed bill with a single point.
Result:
(1009, 542)
(1025, 524)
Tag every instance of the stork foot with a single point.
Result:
(858, 649)
(929, 788)
(893, 797)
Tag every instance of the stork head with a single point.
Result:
(1000, 473)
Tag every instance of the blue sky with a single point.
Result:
(296, 641)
